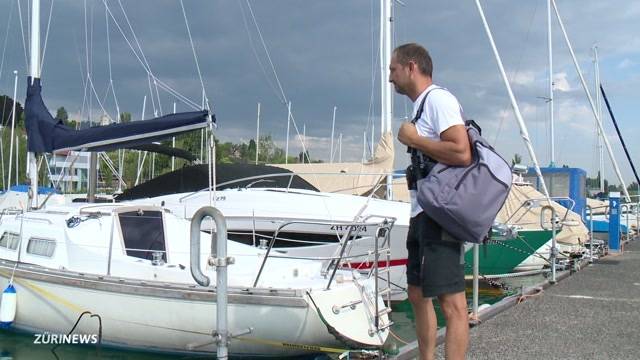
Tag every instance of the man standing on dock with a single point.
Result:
(435, 265)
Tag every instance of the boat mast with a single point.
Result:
(34, 72)
(524, 133)
(591, 102)
(386, 113)
(550, 100)
(599, 110)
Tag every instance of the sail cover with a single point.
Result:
(46, 134)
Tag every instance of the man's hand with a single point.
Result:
(407, 134)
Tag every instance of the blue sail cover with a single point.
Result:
(46, 134)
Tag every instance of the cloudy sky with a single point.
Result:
(325, 54)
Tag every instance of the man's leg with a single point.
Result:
(454, 307)
(426, 322)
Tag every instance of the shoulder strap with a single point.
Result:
(424, 100)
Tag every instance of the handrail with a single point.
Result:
(535, 201)
(220, 261)
(554, 249)
(344, 240)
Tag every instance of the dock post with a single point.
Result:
(614, 222)
(588, 210)
(476, 271)
(220, 261)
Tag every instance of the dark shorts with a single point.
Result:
(434, 264)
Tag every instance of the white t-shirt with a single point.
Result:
(441, 111)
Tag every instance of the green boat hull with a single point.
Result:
(502, 256)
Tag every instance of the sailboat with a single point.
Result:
(125, 274)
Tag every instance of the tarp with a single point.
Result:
(599, 207)
(528, 217)
(46, 134)
(349, 178)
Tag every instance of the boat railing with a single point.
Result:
(10, 211)
(351, 232)
(531, 203)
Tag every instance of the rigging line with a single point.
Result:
(6, 37)
(264, 45)
(163, 85)
(153, 101)
(193, 49)
(24, 44)
(255, 53)
(515, 74)
(155, 85)
(113, 90)
(46, 36)
(135, 37)
(98, 98)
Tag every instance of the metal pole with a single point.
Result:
(599, 110)
(591, 102)
(93, 177)
(523, 128)
(554, 249)
(333, 127)
(220, 261)
(476, 275)
(638, 216)
(550, 45)
(173, 144)
(589, 210)
(35, 74)
(258, 135)
(13, 126)
(286, 152)
(340, 152)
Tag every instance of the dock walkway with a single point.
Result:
(592, 314)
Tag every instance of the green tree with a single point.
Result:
(6, 107)
(517, 159)
(125, 117)
(61, 114)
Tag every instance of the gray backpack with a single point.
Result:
(465, 200)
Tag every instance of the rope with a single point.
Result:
(166, 87)
(404, 342)
(255, 53)
(522, 298)
(193, 50)
(264, 46)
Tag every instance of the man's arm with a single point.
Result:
(452, 149)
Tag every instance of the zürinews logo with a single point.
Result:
(61, 339)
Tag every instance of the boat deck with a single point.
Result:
(592, 314)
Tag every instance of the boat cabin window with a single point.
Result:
(9, 240)
(143, 233)
(42, 247)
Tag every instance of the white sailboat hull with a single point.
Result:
(173, 318)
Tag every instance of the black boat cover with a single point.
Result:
(46, 134)
(165, 150)
(196, 177)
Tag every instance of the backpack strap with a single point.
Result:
(421, 108)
